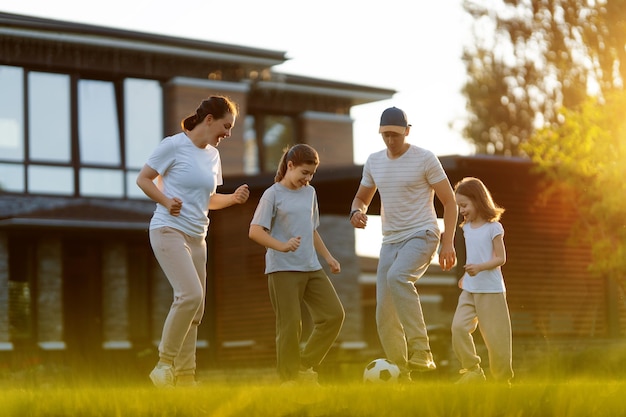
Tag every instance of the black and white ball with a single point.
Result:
(381, 371)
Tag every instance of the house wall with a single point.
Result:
(330, 135)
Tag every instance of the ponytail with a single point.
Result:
(299, 154)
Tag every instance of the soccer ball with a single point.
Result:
(381, 371)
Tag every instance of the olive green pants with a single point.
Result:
(287, 292)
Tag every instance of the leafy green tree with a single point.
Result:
(585, 159)
(530, 58)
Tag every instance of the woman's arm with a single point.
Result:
(220, 201)
(145, 181)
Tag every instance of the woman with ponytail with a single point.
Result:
(285, 222)
(188, 170)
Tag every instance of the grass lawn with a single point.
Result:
(250, 393)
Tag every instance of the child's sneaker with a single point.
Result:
(472, 375)
(162, 376)
(422, 360)
(187, 381)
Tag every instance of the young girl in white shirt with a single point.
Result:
(482, 302)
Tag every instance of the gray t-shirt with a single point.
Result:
(289, 213)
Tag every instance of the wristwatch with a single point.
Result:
(353, 212)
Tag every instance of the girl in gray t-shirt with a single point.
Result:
(285, 223)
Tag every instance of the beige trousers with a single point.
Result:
(183, 260)
(490, 313)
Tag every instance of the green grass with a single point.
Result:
(249, 393)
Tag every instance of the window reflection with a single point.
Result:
(98, 127)
(12, 178)
(101, 183)
(55, 103)
(278, 134)
(50, 180)
(143, 117)
(49, 116)
(11, 114)
(132, 190)
(250, 147)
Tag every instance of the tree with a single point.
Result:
(585, 159)
(530, 58)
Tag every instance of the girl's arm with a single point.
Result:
(498, 259)
(220, 201)
(321, 249)
(262, 236)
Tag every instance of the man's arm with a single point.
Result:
(445, 194)
(358, 209)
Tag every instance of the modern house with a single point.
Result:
(82, 106)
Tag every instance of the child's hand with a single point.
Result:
(292, 244)
(334, 265)
(461, 283)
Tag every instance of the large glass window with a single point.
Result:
(50, 180)
(49, 123)
(78, 136)
(98, 127)
(101, 182)
(265, 138)
(12, 177)
(143, 116)
(11, 113)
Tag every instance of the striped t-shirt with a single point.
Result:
(406, 193)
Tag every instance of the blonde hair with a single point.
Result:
(479, 195)
(300, 154)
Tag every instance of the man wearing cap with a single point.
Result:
(407, 178)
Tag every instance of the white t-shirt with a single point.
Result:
(479, 249)
(406, 193)
(289, 213)
(189, 173)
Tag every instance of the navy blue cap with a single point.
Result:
(393, 120)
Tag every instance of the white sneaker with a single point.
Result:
(162, 376)
(472, 376)
(422, 360)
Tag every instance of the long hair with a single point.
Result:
(479, 195)
(217, 106)
(300, 154)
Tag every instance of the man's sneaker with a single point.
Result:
(473, 375)
(422, 360)
(308, 377)
(162, 376)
